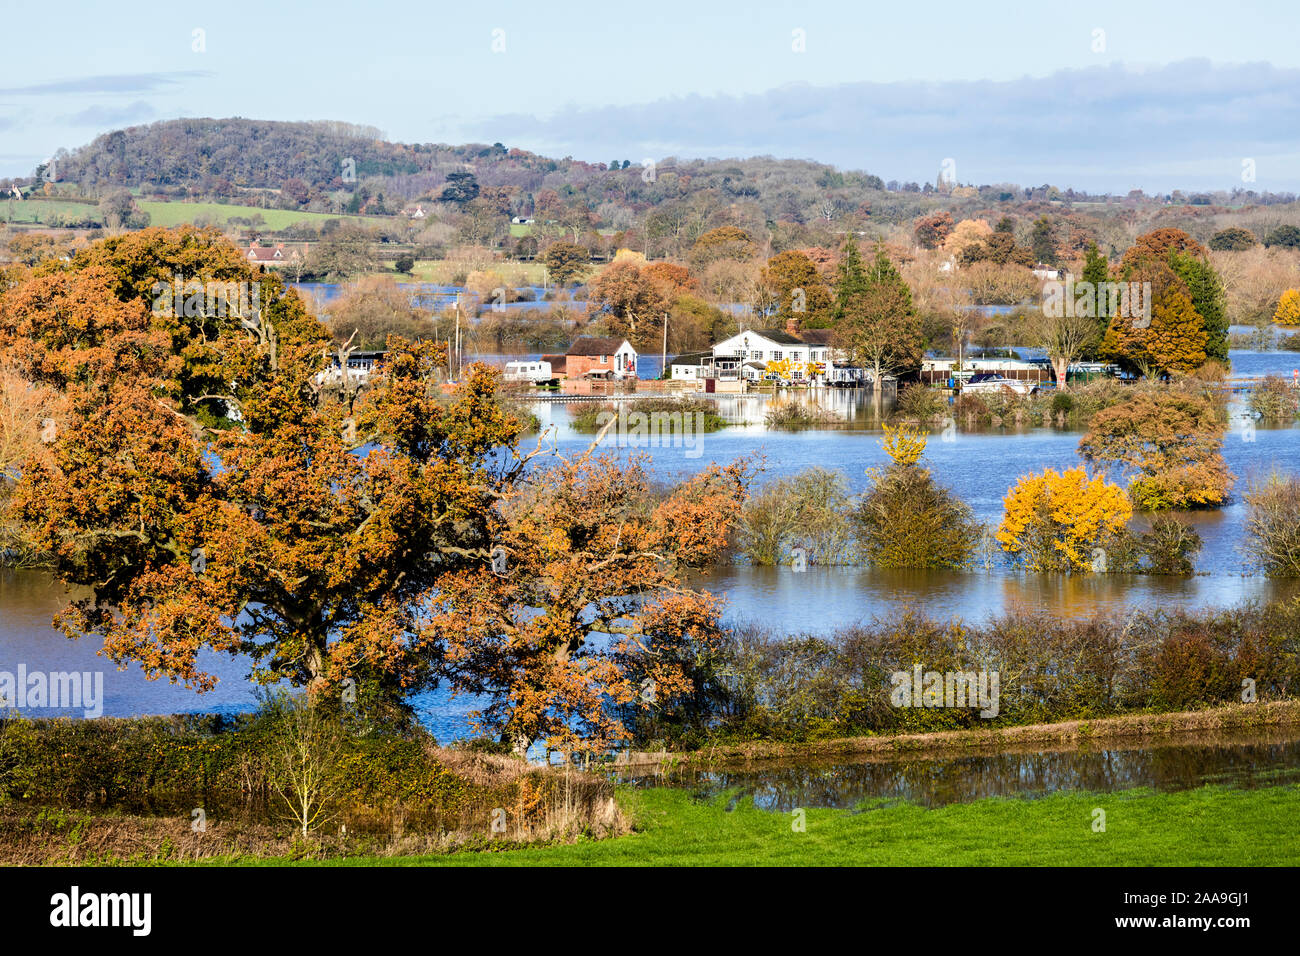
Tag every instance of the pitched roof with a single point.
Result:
(779, 336)
(805, 337)
(595, 345)
(815, 336)
(690, 358)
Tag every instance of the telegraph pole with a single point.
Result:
(663, 368)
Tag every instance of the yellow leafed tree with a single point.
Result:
(1056, 521)
(1288, 308)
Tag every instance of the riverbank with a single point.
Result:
(290, 780)
(1145, 728)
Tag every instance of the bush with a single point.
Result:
(1274, 399)
(1169, 441)
(907, 520)
(807, 510)
(378, 780)
(796, 414)
(1273, 525)
(1169, 545)
(920, 403)
(664, 417)
(1058, 521)
(757, 685)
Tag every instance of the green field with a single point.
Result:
(1209, 826)
(38, 211)
(170, 213)
(176, 213)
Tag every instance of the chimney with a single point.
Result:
(792, 326)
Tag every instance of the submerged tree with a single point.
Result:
(1169, 442)
(906, 519)
(1062, 521)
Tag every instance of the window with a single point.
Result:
(758, 354)
(777, 356)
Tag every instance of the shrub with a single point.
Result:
(661, 416)
(796, 414)
(1274, 399)
(1056, 521)
(971, 409)
(808, 510)
(906, 519)
(1273, 525)
(757, 685)
(920, 403)
(1169, 441)
(1169, 545)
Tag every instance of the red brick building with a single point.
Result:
(596, 357)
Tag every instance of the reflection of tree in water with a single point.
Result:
(935, 783)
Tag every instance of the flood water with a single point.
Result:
(978, 466)
(1260, 760)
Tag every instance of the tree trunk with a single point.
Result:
(1061, 366)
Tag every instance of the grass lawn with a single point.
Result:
(1209, 826)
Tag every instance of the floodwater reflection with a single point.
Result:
(1246, 761)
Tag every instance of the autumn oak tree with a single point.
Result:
(210, 496)
(212, 492)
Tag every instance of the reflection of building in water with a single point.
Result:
(848, 404)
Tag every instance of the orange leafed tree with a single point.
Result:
(587, 617)
(210, 495)
(1176, 337)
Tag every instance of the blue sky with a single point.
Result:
(1171, 94)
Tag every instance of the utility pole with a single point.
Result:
(456, 376)
(663, 368)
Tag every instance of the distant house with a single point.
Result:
(600, 357)
(772, 345)
(1042, 271)
(521, 221)
(418, 214)
(276, 255)
(360, 367)
(746, 354)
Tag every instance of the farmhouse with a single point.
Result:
(276, 255)
(600, 357)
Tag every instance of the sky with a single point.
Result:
(1105, 95)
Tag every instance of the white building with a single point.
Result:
(733, 357)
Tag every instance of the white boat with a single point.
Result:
(993, 382)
